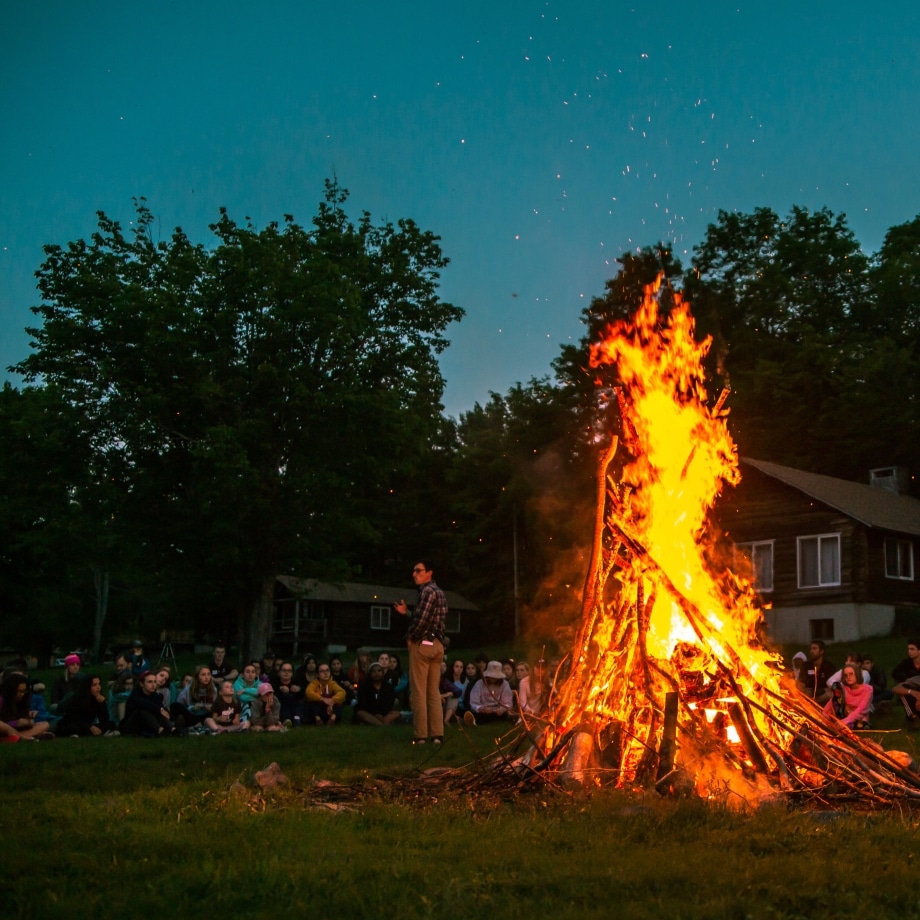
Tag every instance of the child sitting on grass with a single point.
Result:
(226, 713)
(265, 714)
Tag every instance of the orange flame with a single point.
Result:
(690, 623)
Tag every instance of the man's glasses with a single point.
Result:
(418, 568)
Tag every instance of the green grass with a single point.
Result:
(103, 827)
(96, 827)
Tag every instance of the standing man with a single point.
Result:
(425, 640)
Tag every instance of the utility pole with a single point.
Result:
(517, 602)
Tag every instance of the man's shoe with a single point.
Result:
(437, 740)
(469, 719)
(418, 741)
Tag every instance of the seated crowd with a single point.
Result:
(267, 695)
(274, 695)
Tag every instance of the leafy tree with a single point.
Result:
(41, 462)
(895, 279)
(517, 489)
(249, 401)
(781, 297)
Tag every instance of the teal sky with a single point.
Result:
(539, 139)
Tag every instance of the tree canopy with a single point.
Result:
(212, 416)
(251, 400)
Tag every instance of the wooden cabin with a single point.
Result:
(832, 559)
(314, 616)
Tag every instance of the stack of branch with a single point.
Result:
(785, 736)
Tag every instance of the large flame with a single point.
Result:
(665, 622)
(682, 455)
(670, 685)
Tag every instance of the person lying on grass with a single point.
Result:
(226, 713)
(15, 699)
(85, 711)
(144, 712)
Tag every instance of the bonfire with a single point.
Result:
(671, 683)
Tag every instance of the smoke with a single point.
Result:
(562, 506)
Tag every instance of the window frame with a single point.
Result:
(381, 609)
(823, 629)
(898, 542)
(819, 538)
(747, 549)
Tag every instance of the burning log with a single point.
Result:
(669, 679)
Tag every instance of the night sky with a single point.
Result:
(539, 140)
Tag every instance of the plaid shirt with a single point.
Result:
(429, 614)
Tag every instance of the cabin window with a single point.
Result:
(819, 560)
(452, 622)
(821, 629)
(380, 617)
(899, 559)
(760, 557)
(283, 620)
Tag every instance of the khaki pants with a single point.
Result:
(424, 684)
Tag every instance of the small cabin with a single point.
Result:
(832, 559)
(312, 615)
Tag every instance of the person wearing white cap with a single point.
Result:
(491, 700)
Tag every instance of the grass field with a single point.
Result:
(108, 827)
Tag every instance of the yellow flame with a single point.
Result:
(681, 457)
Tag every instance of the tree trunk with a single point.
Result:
(101, 583)
(260, 622)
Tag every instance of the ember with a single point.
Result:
(671, 685)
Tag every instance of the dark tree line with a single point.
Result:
(238, 411)
(197, 420)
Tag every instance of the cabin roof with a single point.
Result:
(870, 505)
(356, 593)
